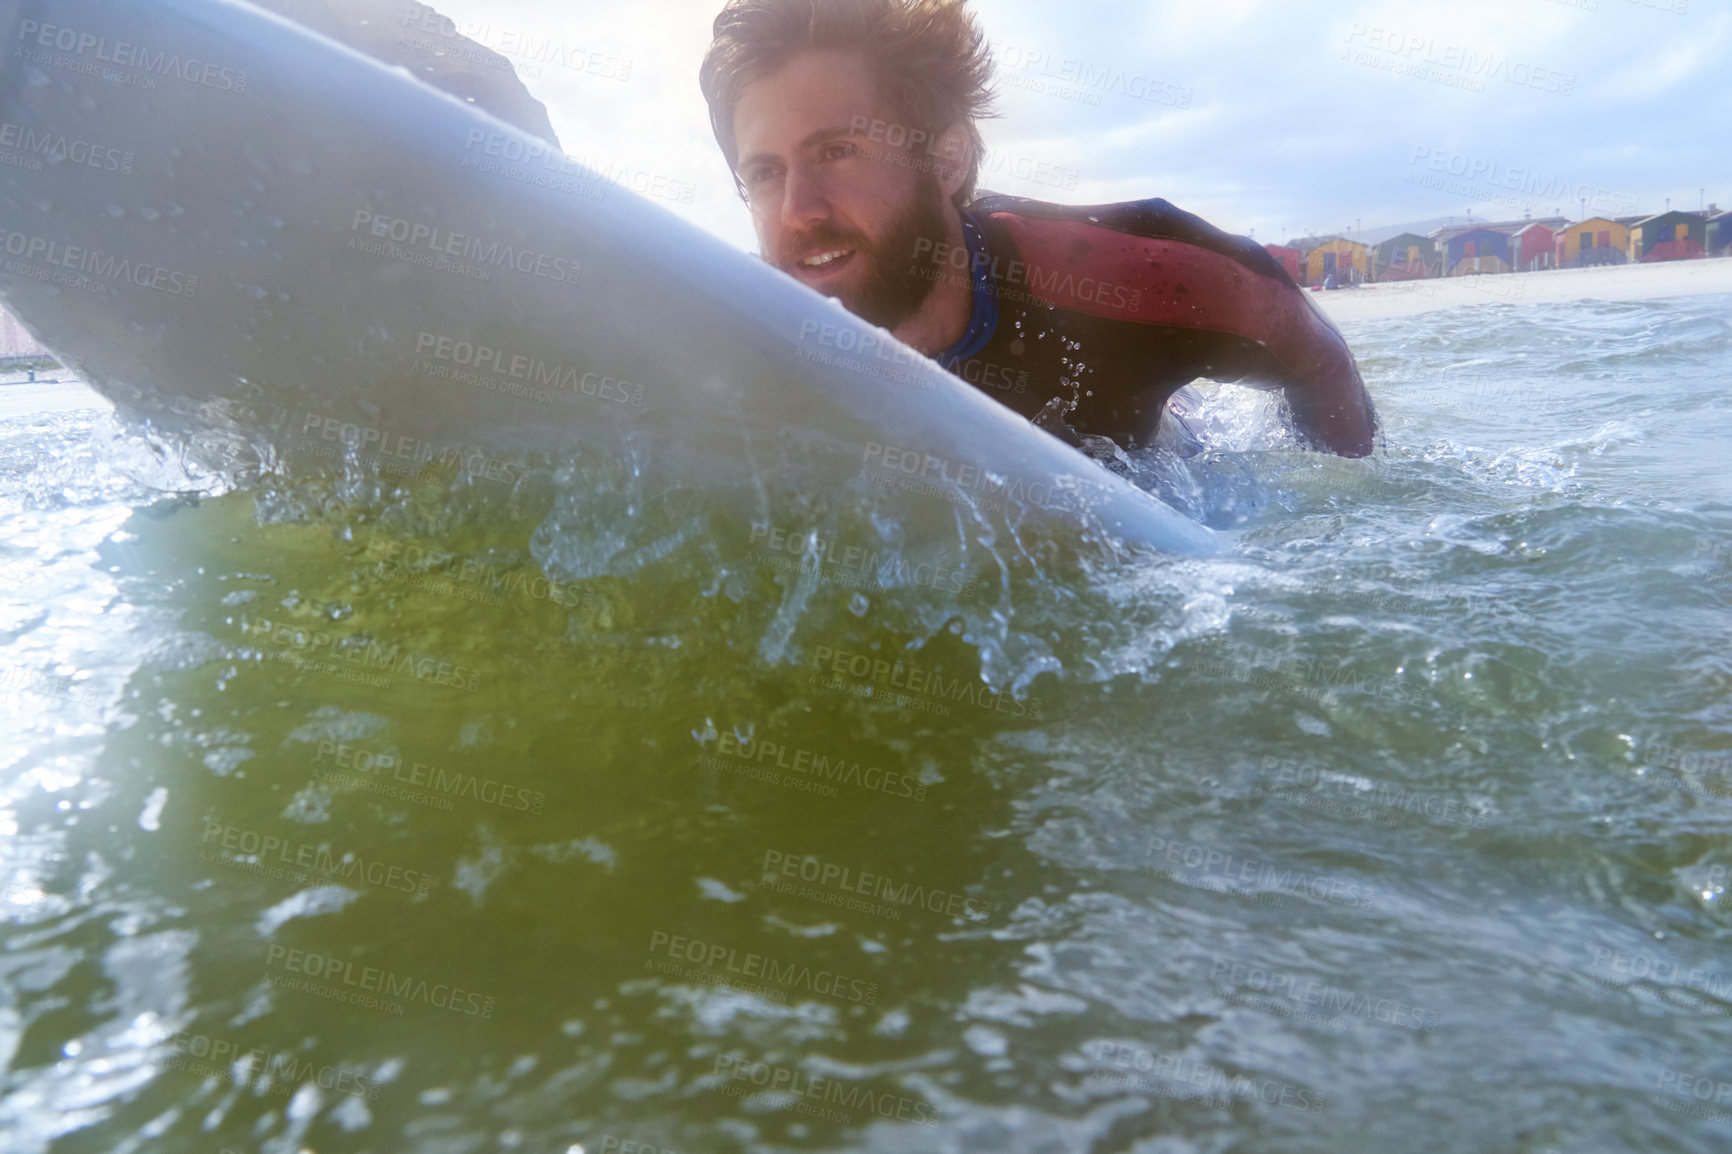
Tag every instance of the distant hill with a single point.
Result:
(1383, 232)
(444, 58)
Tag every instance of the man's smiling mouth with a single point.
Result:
(827, 259)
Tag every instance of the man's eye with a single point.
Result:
(839, 150)
(759, 173)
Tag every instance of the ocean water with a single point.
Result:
(548, 811)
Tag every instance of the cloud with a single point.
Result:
(1255, 113)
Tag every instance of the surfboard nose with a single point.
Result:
(93, 247)
(209, 208)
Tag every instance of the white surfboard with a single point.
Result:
(206, 209)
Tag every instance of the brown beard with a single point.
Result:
(895, 286)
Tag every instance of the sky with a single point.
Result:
(1277, 118)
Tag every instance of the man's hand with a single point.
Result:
(1324, 389)
(1336, 412)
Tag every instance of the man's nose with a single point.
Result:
(804, 200)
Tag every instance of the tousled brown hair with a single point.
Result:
(930, 58)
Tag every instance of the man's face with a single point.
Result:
(833, 208)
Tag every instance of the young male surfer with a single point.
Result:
(850, 128)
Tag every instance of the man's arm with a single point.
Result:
(1149, 263)
(1325, 392)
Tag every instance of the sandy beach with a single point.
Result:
(1630, 282)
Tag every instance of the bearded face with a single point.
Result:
(877, 278)
(833, 207)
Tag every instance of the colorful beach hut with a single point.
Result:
(1669, 236)
(1478, 250)
(1405, 257)
(1303, 246)
(1287, 258)
(1344, 259)
(1533, 247)
(1594, 241)
(1719, 234)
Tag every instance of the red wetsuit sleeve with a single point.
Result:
(1089, 268)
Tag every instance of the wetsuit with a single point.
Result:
(1088, 319)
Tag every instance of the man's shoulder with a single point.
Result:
(1152, 219)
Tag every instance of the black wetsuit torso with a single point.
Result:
(1088, 319)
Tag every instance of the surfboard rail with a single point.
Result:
(209, 209)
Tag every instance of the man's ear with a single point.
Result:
(955, 154)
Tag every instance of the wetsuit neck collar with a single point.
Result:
(983, 321)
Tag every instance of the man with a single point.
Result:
(850, 128)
